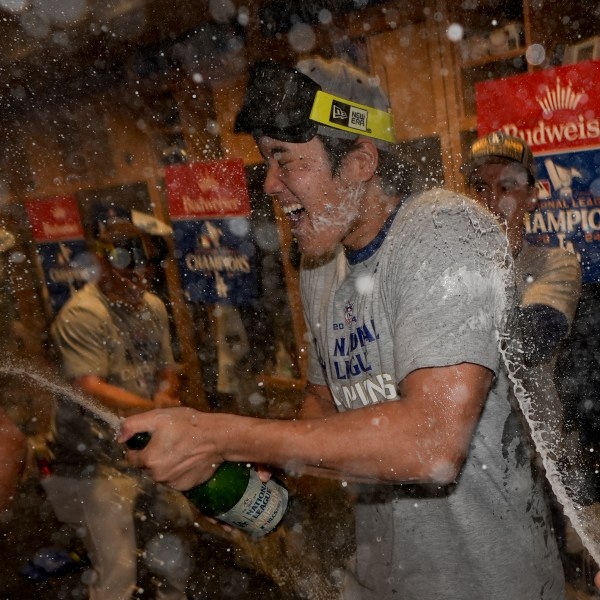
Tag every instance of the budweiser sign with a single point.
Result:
(54, 219)
(207, 190)
(549, 109)
(557, 112)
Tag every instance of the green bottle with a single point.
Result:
(234, 495)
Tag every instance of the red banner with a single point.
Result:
(557, 112)
(54, 219)
(549, 109)
(207, 190)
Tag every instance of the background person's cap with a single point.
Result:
(341, 79)
(498, 147)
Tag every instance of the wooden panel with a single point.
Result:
(40, 139)
(228, 96)
(130, 144)
(443, 62)
(192, 392)
(198, 120)
(401, 58)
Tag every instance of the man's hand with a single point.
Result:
(181, 452)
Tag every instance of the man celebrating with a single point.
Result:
(404, 296)
(113, 338)
(500, 174)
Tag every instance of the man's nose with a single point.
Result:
(272, 184)
(140, 276)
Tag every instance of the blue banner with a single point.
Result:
(67, 266)
(568, 214)
(216, 260)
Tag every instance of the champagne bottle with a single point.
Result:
(234, 495)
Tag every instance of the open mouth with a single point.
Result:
(293, 211)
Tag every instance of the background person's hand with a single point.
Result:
(165, 400)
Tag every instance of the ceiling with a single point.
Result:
(49, 46)
(54, 40)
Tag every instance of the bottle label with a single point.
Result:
(260, 509)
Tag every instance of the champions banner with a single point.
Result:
(209, 207)
(61, 247)
(557, 112)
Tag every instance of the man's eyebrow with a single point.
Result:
(275, 150)
(510, 179)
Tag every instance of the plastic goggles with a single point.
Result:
(287, 105)
(128, 254)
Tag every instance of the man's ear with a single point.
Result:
(361, 163)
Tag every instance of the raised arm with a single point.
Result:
(422, 437)
(120, 400)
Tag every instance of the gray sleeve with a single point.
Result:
(448, 292)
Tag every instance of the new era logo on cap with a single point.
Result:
(338, 114)
(348, 116)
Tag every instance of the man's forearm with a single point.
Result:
(113, 397)
(424, 436)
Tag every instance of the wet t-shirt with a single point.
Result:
(432, 292)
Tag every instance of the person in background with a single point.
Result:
(404, 296)
(114, 344)
(500, 174)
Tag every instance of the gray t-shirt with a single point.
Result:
(429, 292)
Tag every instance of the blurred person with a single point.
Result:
(114, 344)
(500, 174)
(405, 295)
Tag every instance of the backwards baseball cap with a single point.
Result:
(498, 147)
(331, 98)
